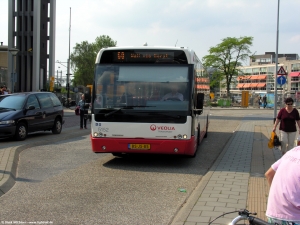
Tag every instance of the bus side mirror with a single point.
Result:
(200, 100)
(199, 103)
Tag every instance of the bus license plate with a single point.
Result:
(139, 146)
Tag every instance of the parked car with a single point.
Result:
(26, 112)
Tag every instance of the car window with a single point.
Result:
(55, 100)
(44, 100)
(32, 101)
(12, 101)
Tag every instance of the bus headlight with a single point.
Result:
(98, 134)
(180, 136)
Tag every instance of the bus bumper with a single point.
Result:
(157, 146)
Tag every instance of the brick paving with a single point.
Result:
(236, 180)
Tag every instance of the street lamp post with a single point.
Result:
(68, 73)
(14, 52)
(276, 65)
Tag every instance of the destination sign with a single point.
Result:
(144, 56)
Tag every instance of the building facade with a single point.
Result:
(31, 30)
(259, 77)
(3, 64)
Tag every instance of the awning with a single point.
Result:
(294, 74)
(261, 84)
(247, 85)
(204, 87)
(202, 80)
(258, 77)
(240, 85)
(244, 77)
(253, 85)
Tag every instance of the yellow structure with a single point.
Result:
(245, 99)
(52, 83)
(90, 86)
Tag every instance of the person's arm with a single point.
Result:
(297, 116)
(269, 175)
(298, 122)
(275, 124)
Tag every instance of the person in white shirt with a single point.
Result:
(174, 94)
(4, 91)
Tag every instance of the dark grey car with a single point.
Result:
(26, 112)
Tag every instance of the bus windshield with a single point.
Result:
(142, 87)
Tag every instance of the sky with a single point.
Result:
(197, 24)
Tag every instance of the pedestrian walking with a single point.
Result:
(83, 110)
(265, 101)
(259, 101)
(283, 207)
(287, 117)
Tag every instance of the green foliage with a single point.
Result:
(64, 91)
(102, 42)
(83, 59)
(226, 57)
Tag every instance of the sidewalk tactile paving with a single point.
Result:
(237, 180)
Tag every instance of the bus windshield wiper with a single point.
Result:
(3, 108)
(126, 107)
(165, 114)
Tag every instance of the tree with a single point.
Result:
(104, 41)
(83, 59)
(226, 57)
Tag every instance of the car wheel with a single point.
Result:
(57, 126)
(21, 132)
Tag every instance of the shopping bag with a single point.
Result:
(271, 140)
(77, 110)
(277, 142)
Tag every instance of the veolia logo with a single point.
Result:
(165, 128)
(153, 127)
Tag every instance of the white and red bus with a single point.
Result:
(145, 100)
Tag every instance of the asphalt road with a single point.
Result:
(66, 183)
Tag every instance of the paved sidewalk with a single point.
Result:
(236, 180)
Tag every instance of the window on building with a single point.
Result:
(295, 67)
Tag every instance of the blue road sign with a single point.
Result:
(281, 80)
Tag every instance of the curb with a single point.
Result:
(183, 213)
